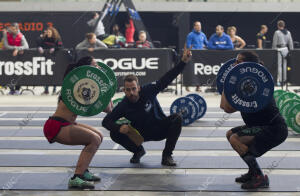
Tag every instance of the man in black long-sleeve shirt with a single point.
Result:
(141, 107)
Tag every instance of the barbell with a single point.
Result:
(87, 90)
(248, 86)
(289, 107)
(191, 108)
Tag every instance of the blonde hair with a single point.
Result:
(231, 28)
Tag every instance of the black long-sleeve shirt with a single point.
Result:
(146, 112)
(48, 43)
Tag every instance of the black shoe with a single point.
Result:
(168, 161)
(243, 178)
(258, 181)
(45, 93)
(137, 156)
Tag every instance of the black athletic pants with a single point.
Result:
(169, 129)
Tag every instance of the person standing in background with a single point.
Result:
(283, 42)
(129, 32)
(196, 40)
(261, 37)
(99, 27)
(237, 41)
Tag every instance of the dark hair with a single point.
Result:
(249, 56)
(94, 14)
(130, 78)
(89, 36)
(87, 60)
(15, 24)
(220, 27)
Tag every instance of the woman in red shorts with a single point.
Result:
(62, 128)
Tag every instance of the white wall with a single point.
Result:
(156, 6)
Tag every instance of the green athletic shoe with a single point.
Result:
(80, 183)
(88, 176)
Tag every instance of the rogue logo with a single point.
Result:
(131, 63)
(38, 66)
(201, 69)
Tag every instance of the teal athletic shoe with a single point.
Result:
(80, 183)
(88, 176)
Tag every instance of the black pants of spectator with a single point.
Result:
(169, 129)
(47, 89)
(14, 88)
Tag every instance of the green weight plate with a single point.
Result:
(277, 93)
(286, 96)
(111, 76)
(287, 106)
(85, 91)
(294, 118)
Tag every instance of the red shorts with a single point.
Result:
(52, 127)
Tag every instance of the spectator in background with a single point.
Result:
(90, 43)
(143, 42)
(261, 37)
(237, 41)
(98, 28)
(196, 40)
(283, 42)
(116, 39)
(14, 40)
(4, 31)
(49, 40)
(2, 39)
(220, 40)
(129, 32)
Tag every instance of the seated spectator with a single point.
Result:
(143, 42)
(49, 40)
(129, 32)
(90, 43)
(237, 41)
(220, 40)
(116, 39)
(2, 39)
(261, 37)
(14, 40)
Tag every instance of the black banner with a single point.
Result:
(147, 64)
(293, 74)
(33, 69)
(206, 63)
